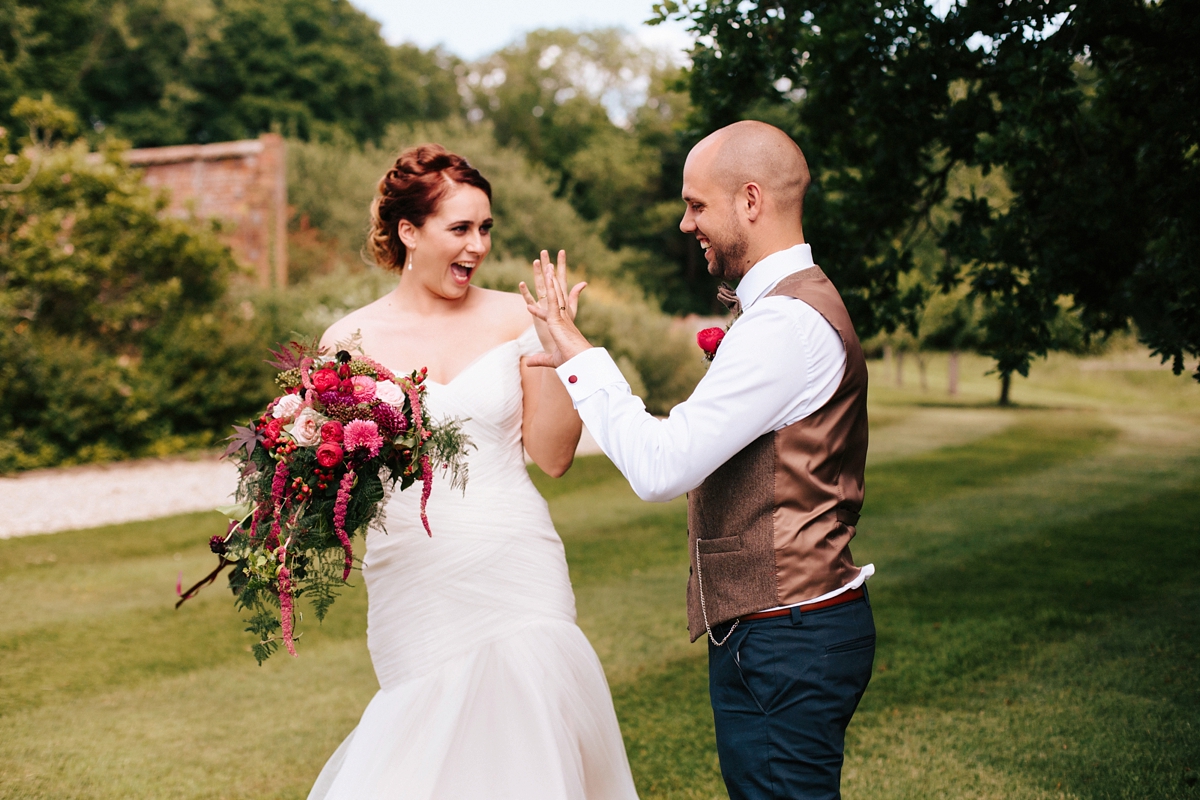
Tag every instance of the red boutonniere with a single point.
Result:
(709, 340)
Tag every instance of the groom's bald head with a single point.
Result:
(755, 152)
(744, 188)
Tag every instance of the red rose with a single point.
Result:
(331, 431)
(329, 454)
(346, 387)
(344, 371)
(709, 340)
(325, 380)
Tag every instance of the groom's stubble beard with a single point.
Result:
(728, 254)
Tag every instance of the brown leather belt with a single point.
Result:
(844, 597)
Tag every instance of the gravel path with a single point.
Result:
(52, 500)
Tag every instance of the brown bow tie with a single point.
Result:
(729, 298)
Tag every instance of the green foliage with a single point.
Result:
(111, 339)
(87, 252)
(1089, 110)
(45, 119)
(168, 73)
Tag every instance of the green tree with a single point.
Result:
(1090, 110)
(212, 70)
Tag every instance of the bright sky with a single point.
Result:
(474, 28)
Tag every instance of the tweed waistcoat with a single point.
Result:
(772, 525)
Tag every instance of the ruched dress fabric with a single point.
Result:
(488, 688)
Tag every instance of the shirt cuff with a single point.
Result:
(589, 372)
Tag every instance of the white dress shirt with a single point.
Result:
(780, 361)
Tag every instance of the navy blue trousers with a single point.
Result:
(783, 691)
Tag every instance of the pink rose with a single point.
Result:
(325, 380)
(331, 431)
(709, 340)
(287, 407)
(329, 454)
(390, 393)
(306, 430)
(363, 388)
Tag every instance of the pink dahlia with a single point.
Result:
(362, 434)
(364, 388)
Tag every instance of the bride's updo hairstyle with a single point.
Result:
(412, 190)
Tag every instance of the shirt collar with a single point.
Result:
(764, 275)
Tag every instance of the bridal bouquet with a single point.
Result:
(316, 468)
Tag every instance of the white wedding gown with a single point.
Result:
(488, 688)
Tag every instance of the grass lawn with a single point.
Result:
(1037, 608)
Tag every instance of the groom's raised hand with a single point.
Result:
(556, 308)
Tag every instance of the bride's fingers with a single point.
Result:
(562, 267)
(530, 302)
(538, 283)
(545, 262)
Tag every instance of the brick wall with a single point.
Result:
(243, 184)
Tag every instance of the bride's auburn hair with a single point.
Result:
(412, 190)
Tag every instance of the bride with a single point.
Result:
(488, 689)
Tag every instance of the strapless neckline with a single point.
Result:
(481, 357)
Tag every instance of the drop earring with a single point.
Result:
(408, 266)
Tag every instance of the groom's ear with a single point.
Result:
(750, 201)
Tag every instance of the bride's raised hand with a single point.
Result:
(555, 309)
(539, 284)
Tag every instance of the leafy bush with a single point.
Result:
(113, 341)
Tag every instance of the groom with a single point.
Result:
(770, 449)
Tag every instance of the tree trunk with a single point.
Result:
(953, 370)
(899, 368)
(1005, 385)
(921, 365)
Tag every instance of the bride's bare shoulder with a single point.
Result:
(357, 321)
(507, 310)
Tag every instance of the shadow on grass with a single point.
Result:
(1034, 445)
(1081, 637)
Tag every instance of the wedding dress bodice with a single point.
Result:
(486, 397)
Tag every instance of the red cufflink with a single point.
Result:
(573, 379)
